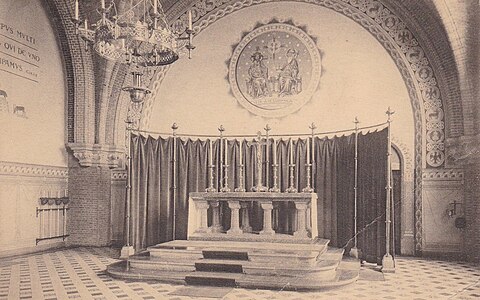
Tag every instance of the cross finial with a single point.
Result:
(267, 128)
(259, 136)
(174, 128)
(356, 121)
(221, 129)
(312, 126)
(389, 113)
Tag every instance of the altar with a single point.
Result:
(200, 226)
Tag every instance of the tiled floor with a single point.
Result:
(79, 274)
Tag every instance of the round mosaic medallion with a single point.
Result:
(275, 70)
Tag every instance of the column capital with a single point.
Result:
(301, 205)
(214, 203)
(201, 204)
(97, 155)
(234, 204)
(266, 205)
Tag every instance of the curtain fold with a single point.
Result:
(157, 208)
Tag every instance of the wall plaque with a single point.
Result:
(275, 70)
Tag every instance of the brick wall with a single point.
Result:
(89, 191)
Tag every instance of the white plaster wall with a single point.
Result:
(359, 79)
(32, 152)
(39, 138)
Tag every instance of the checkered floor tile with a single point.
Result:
(79, 273)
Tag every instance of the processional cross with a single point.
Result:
(258, 142)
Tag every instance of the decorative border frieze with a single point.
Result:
(443, 174)
(97, 155)
(32, 170)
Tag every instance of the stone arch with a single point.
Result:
(79, 70)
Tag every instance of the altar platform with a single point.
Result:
(265, 265)
(238, 257)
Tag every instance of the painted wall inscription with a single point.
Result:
(19, 54)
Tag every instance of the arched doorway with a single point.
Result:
(397, 165)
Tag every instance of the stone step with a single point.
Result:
(299, 283)
(225, 254)
(211, 265)
(212, 278)
(198, 245)
(252, 237)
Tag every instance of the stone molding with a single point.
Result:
(119, 174)
(32, 170)
(97, 155)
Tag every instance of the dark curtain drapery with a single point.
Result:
(153, 210)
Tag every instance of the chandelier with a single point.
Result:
(134, 32)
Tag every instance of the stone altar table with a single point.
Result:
(199, 203)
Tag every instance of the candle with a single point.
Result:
(103, 4)
(65, 193)
(241, 154)
(274, 152)
(211, 153)
(308, 150)
(226, 152)
(76, 9)
(291, 151)
(190, 20)
(86, 24)
(155, 7)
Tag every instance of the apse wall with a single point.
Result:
(32, 117)
(358, 78)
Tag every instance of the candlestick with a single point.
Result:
(190, 25)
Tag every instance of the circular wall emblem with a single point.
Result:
(275, 70)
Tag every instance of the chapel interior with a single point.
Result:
(161, 149)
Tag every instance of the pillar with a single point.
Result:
(301, 208)
(234, 217)
(202, 208)
(245, 217)
(216, 226)
(267, 218)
